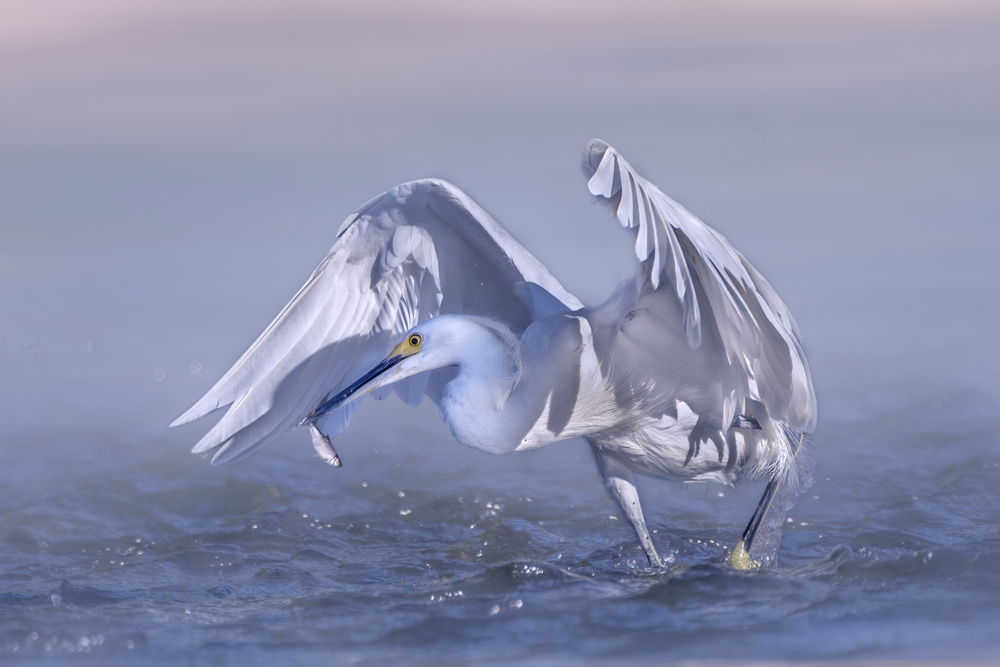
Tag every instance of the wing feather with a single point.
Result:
(419, 250)
(680, 252)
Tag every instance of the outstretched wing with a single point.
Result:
(421, 249)
(681, 253)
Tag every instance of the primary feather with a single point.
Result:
(758, 335)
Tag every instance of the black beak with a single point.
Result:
(345, 395)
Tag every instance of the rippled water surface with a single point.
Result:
(419, 550)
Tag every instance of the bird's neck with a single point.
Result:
(521, 393)
(489, 369)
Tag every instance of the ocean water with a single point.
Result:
(419, 552)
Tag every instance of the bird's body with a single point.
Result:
(516, 394)
(692, 370)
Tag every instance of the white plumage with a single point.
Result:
(692, 370)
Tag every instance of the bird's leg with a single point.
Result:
(621, 483)
(323, 446)
(740, 558)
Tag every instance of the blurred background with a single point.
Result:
(171, 173)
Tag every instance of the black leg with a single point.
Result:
(740, 558)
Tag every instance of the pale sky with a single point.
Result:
(305, 75)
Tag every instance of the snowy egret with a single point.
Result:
(693, 370)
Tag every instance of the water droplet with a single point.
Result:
(194, 367)
(159, 375)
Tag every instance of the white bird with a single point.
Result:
(693, 370)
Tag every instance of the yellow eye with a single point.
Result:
(415, 340)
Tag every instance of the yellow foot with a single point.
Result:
(740, 559)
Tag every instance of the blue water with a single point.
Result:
(417, 551)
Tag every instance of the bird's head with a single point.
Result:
(446, 340)
(404, 360)
(429, 345)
